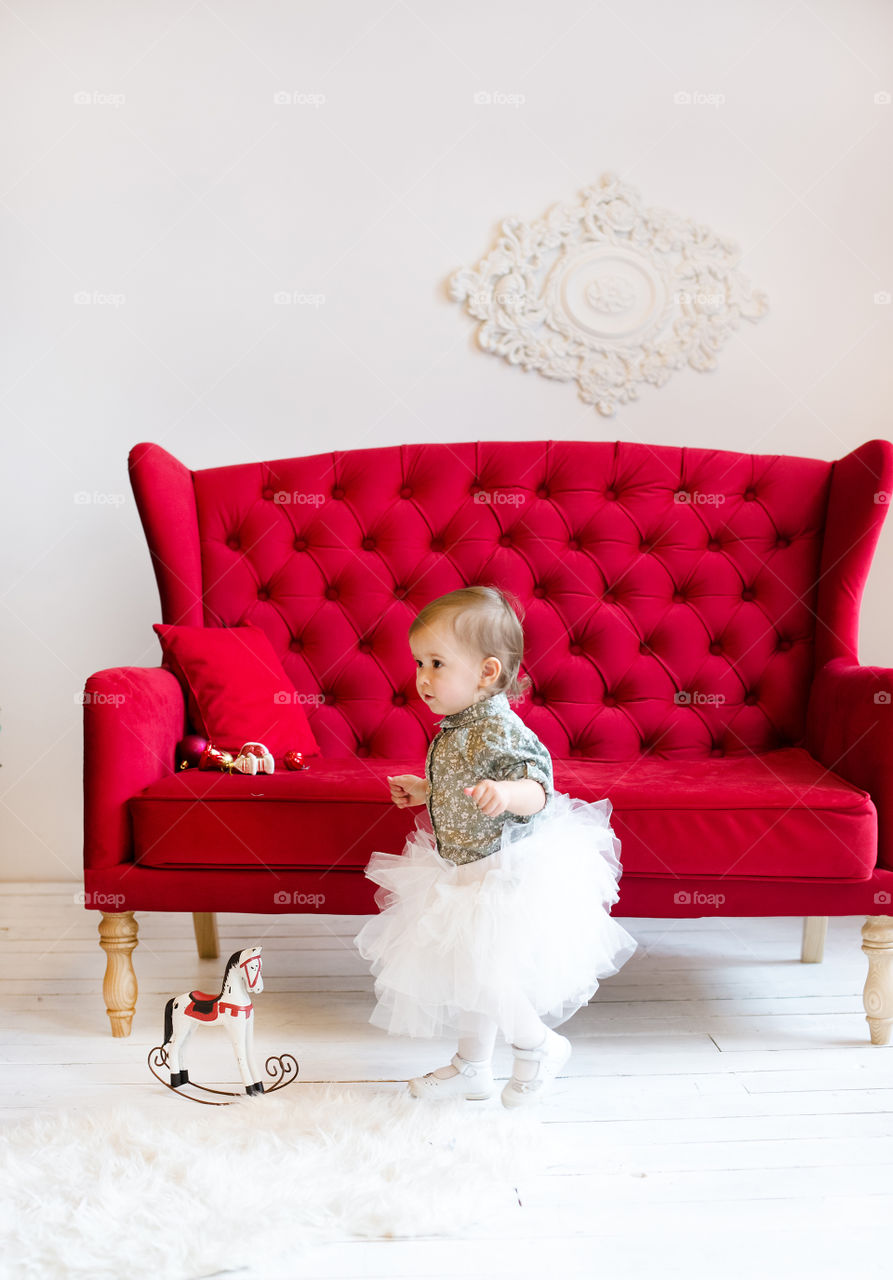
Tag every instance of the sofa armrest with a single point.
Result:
(133, 719)
(849, 729)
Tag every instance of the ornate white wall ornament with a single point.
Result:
(608, 294)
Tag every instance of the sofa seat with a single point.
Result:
(780, 814)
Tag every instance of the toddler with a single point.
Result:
(496, 916)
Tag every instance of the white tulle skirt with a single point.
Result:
(530, 920)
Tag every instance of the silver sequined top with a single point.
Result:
(486, 740)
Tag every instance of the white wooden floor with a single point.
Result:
(723, 1113)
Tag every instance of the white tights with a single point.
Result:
(477, 1037)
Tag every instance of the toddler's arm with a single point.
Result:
(524, 796)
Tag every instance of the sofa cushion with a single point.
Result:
(780, 814)
(236, 688)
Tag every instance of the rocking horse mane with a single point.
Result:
(231, 963)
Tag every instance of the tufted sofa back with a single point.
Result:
(677, 601)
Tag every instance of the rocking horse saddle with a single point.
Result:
(202, 1002)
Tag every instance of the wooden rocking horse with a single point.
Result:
(242, 979)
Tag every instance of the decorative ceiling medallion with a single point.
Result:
(608, 294)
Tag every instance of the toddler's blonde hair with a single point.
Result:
(485, 621)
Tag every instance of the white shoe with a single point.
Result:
(551, 1055)
(473, 1080)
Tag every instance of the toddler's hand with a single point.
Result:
(407, 790)
(489, 796)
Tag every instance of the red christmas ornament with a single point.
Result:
(189, 751)
(213, 758)
(295, 760)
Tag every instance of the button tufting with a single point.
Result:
(399, 699)
(749, 495)
(337, 492)
(263, 594)
(750, 699)
(714, 545)
(784, 644)
(364, 646)
(268, 495)
(296, 645)
(747, 593)
(574, 544)
(644, 648)
(678, 597)
(609, 597)
(783, 542)
(576, 647)
(363, 750)
(437, 544)
(539, 592)
(644, 547)
(331, 593)
(609, 700)
(233, 543)
(717, 751)
(610, 495)
(406, 491)
(542, 491)
(505, 540)
(300, 544)
(368, 544)
(537, 699)
(400, 592)
(716, 647)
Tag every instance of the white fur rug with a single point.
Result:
(166, 1189)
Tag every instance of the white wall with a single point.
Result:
(197, 198)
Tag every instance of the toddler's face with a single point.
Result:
(448, 677)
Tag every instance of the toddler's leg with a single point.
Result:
(540, 1053)
(529, 1033)
(477, 1037)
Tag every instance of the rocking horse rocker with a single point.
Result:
(232, 1008)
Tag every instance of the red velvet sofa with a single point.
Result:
(691, 621)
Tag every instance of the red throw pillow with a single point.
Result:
(236, 688)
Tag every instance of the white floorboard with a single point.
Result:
(723, 1113)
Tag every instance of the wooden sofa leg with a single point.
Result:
(205, 925)
(877, 943)
(813, 946)
(117, 937)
